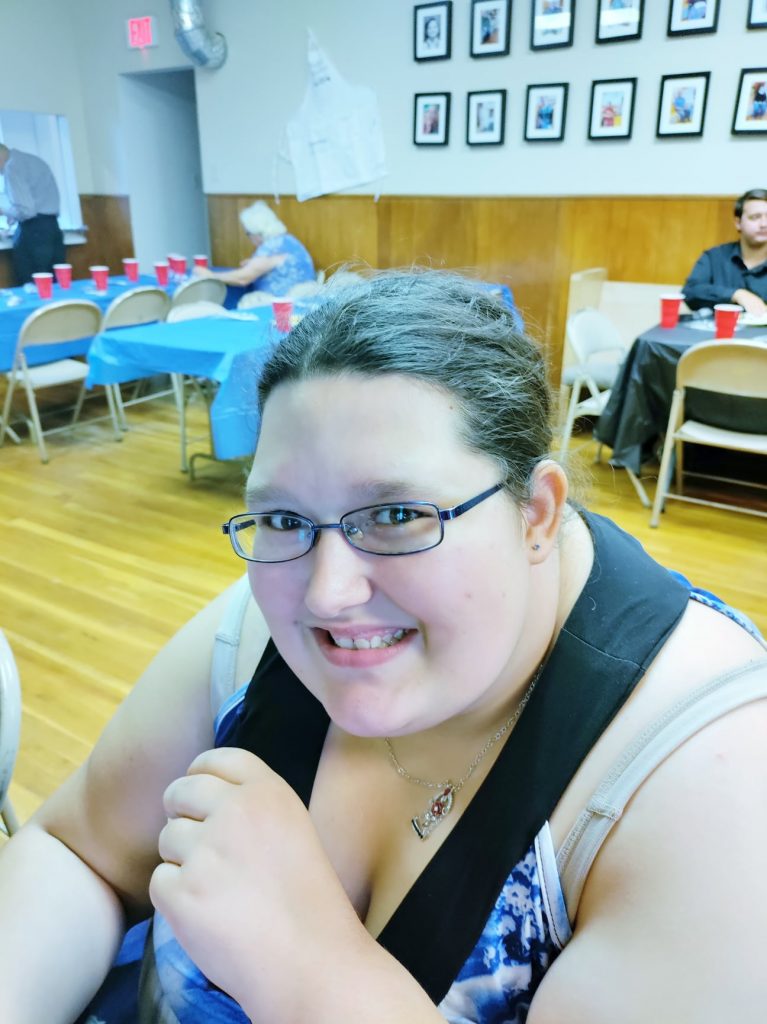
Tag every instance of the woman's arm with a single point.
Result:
(671, 923)
(246, 274)
(72, 875)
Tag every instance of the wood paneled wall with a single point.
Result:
(533, 244)
(109, 238)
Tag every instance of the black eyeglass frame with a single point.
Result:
(443, 515)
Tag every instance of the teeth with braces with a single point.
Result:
(364, 643)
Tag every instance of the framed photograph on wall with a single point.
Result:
(485, 117)
(686, 17)
(431, 118)
(432, 29)
(545, 110)
(612, 108)
(682, 104)
(490, 28)
(618, 20)
(750, 115)
(551, 23)
(757, 14)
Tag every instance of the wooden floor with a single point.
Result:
(108, 549)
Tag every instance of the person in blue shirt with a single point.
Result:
(279, 260)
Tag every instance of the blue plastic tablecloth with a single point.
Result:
(17, 303)
(232, 352)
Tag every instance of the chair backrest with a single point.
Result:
(589, 332)
(634, 306)
(60, 321)
(195, 310)
(729, 367)
(200, 289)
(10, 715)
(585, 289)
(138, 306)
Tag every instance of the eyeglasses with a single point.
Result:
(403, 528)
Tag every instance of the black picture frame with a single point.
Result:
(680, 114)
(486, 117)
(692, 17)
(426, 44)
(558, 32)
(757, 18)
(619, 24)
(431, 118)
(490, 28)
(611, 109)
(546, 123)
(750, 114)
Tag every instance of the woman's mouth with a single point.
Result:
(363, 647)
(364, 643)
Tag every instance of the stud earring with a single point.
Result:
(536, 547)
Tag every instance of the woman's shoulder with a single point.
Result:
(704, 645)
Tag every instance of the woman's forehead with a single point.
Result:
(383, 429)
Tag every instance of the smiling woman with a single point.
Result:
(450, 662)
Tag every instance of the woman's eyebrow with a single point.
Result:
(366, 491)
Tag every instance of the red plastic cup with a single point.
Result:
(100, 277)
(130, 266)
(200, 261)
(162, 271)
(669, 309)
(63, 272)
(177, 263)
(44, 282)
(282, 309)
(726, 319)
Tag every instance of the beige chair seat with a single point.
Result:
(703, 433)
(736, 368)
(65, 371)
(69, 320)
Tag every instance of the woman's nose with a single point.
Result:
(338, 576)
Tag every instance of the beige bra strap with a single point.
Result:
(652, 746)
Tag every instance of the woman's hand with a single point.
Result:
(246, 885)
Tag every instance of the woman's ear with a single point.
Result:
(542, 514)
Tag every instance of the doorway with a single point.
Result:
(158, 112)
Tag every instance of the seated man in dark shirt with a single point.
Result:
(736, 271)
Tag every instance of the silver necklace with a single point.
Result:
(441, 805)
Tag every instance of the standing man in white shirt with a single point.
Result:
(32, 200)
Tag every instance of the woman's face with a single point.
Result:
(331, 445)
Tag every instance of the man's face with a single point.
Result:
(752, 225)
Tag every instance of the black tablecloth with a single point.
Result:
(640, 401)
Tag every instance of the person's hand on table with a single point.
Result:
(202, 272)
(245, 881)
(750, 302)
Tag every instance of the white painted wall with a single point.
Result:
(158, 115)
(243, 107)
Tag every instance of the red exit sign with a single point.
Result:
(141, 33)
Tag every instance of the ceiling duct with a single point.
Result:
(204, 48)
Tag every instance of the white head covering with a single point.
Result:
(260, 219)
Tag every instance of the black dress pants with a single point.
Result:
(38, 244)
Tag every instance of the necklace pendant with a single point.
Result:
(439, 808)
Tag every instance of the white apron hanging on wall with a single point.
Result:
(335, 141)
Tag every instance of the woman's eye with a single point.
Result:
(394, 515)
(281, 521)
